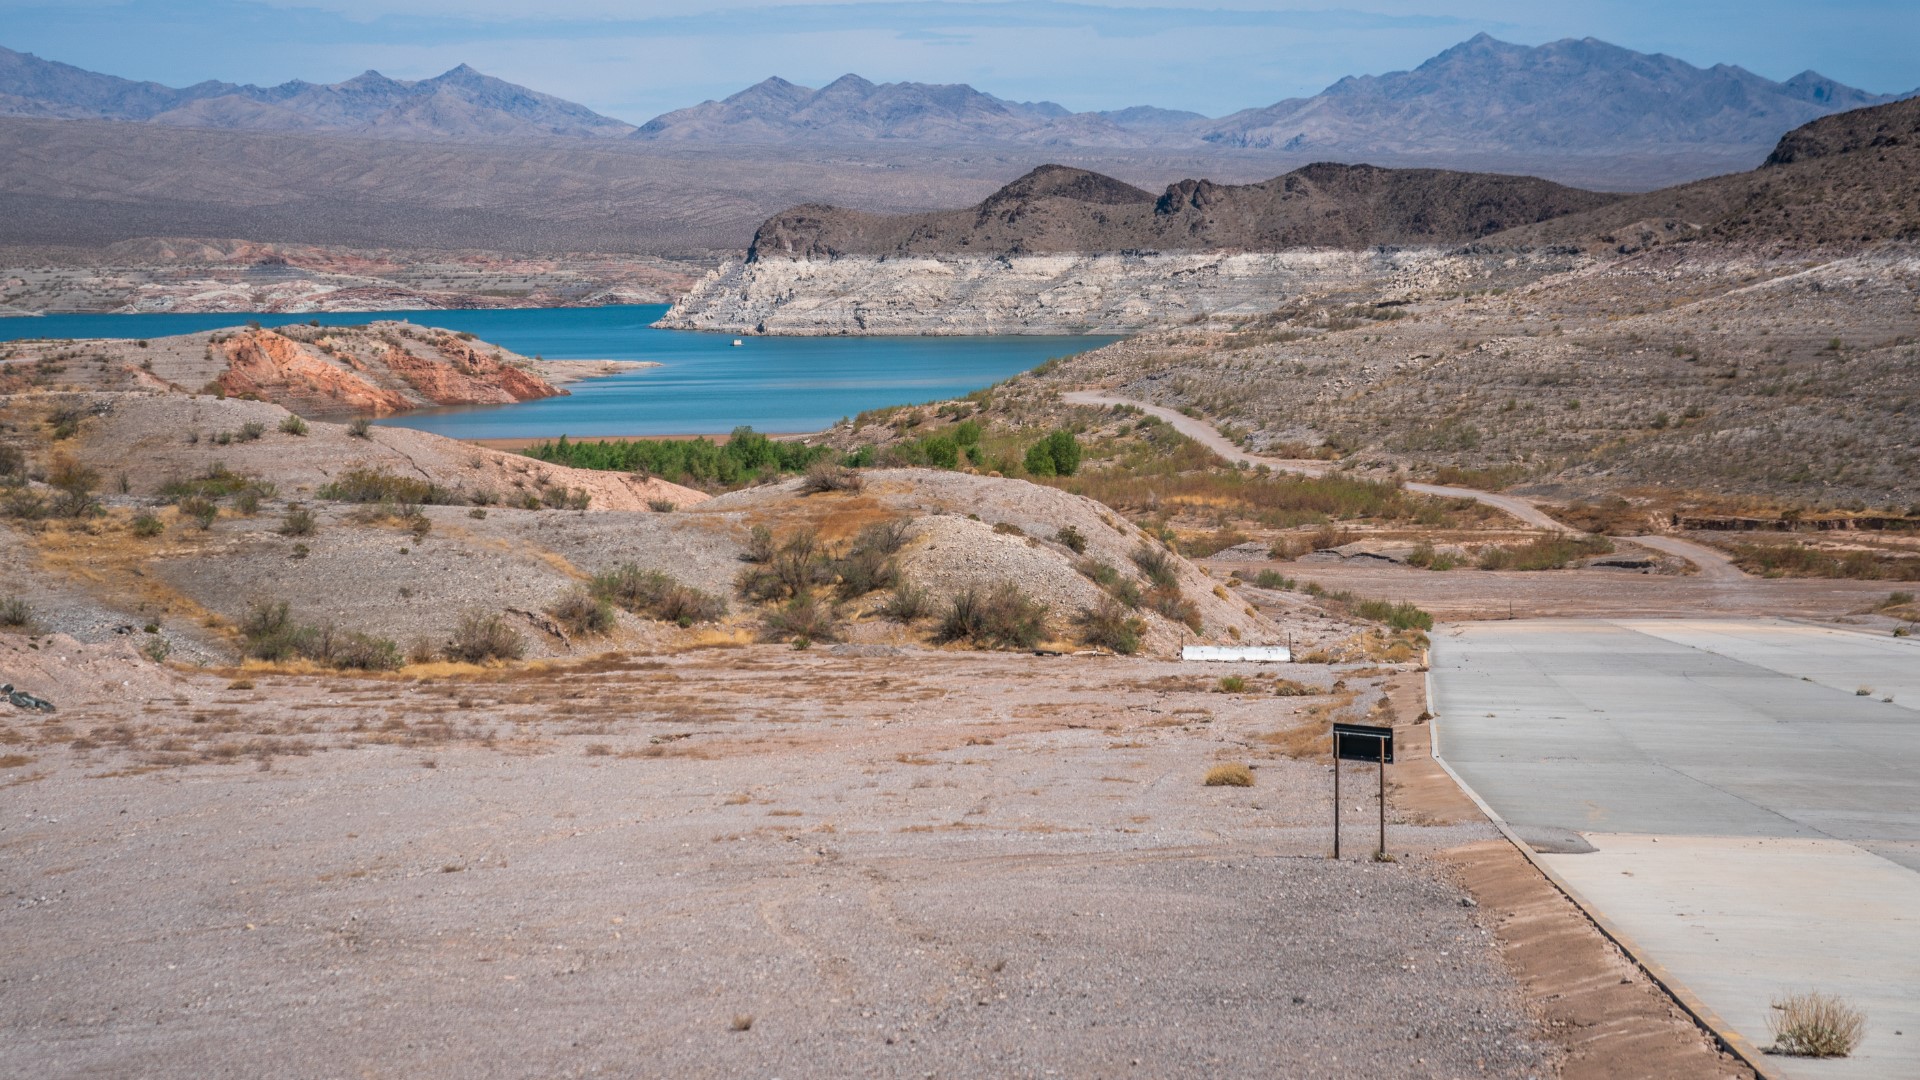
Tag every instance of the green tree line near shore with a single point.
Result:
(745, 455)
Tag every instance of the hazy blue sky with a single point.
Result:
(634, 60)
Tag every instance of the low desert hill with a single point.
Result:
(1059, 209)
(1841, 180)
(371, 370)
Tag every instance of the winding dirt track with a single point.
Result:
(1206, 435)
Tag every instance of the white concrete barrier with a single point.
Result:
(1258, 654)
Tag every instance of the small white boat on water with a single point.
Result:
(737, 343)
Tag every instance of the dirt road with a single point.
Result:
(1205, 434)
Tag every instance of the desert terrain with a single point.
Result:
(333, 747)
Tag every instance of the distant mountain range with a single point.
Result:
(1482, 97)
(459, 104)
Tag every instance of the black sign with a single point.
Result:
(1362, 742)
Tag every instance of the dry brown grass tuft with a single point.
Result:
(1231, 774)
(1816, 1025)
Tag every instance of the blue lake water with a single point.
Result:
(704, 384)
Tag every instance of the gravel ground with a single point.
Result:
(959, 865)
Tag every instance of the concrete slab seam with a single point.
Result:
(1709, 1021)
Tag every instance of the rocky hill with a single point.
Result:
(1055, 209)
(1577, 97)
(462, 103)
(1842, 180)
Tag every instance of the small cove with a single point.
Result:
(704, 383)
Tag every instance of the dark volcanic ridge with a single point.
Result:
(1055, 209)
(1844, 179)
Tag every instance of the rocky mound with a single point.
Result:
(1055, 210)
(373, 370)
(1838, 181)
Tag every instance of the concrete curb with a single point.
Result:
(1728, 1039)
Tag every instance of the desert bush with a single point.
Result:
(583, 613)
(1232, 684)
(218, 482)
(803, 618)
(13, 465)
(250, 431)
(372, 485)
(1545, 553)
(1790, 559)
(1110, 624)
(662, 506)
(146, 525)
(827, 476)
(481, 636)
(270, 632)
(298, 521)
(247, 502)
(157, 649)
(905, 603)
(76, 485)
(15, 614)
(415, 521)
(1273, 579)
(1008, 528)
(1072, 539)
(1003, 617)
(1232, 774)
(1292, 688)
(360, 428)
(797, 564)
(864, 570)
(355, 651)
(293, 425)
(1816, 1025)
(657, 595)
(1894, 600)
(202, 512)
(760, 545)
(886, 537)
(1157, 563)
(1170, 604)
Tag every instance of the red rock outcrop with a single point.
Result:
(273, 368)
(378, 376)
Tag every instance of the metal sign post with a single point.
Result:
(1361, 742)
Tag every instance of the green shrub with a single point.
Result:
(293, 425)
(299, 521)
(1056, 455)
(1109, 624)
(905, 603)
(1001, 618)
(1545, 553)
(1273, 579)
(202, 512)
(360, 428)
(250, 431)
(482, 636)
(1157, 563)
(656, 595)
(1232, 684)
(803, 618)
(583, 614)
(372, 485)
(1170, 604)
(15, 614)
(146, 525)
(1072, 539)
